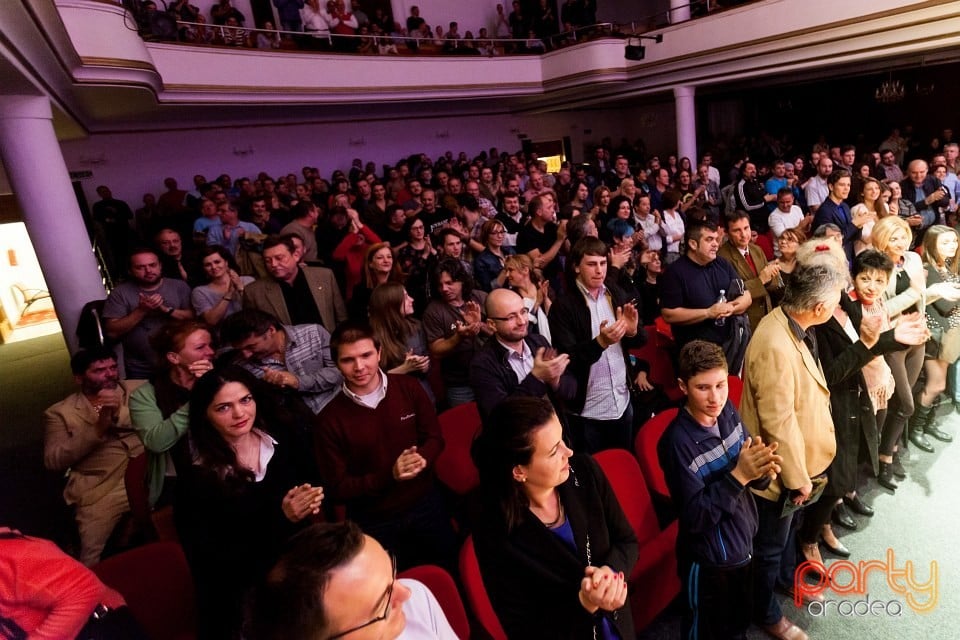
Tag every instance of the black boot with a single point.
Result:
(916, 427)
(929, 424)
(885, 478)
(896, 467)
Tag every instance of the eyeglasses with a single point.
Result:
(498, 232)
(513, 317)
(386, 610)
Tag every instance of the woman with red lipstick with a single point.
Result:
(248, 489)
(554, 546)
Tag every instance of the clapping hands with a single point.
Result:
(602, 588)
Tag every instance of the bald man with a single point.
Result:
(515, 361)
(924, 191)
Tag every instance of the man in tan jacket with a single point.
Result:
(89, 434)
(786, 400)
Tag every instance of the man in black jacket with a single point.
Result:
(925, 192)
(752, 198)
(516, 362)
(589, 323)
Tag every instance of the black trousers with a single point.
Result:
(719, 601)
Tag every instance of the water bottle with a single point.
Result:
(722, 300)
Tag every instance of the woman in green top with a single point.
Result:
(159, 409)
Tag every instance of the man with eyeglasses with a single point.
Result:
(516, 362)
(356, 592)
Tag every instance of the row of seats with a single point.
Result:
(637, 480)
(165, 605)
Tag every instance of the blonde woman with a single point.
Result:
(906, 293)
(523, 278)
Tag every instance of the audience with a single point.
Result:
(374, 430)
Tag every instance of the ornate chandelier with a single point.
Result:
(890, 90)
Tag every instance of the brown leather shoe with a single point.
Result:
(785, 630)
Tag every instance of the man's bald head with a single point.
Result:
(498, 299)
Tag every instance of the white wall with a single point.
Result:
(136, 163)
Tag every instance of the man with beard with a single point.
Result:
(140, 306)
(89, 433)
(516, 361)
(454, 327)
(176, 263)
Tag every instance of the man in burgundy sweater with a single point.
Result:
(376, 444)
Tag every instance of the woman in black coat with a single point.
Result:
(246, 492)
(860, 384)
(554, 546)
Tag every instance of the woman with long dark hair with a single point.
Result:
(554, 546)
(247, 489)
(403, 343)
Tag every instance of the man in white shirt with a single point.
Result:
(355, 588)
(787, 215)
(817, 190)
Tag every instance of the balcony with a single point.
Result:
(118, 81)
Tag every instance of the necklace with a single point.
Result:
(559, 517)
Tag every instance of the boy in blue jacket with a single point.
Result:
(710, 464)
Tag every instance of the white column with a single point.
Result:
(679, 11)
(38, 174)
(686, 123)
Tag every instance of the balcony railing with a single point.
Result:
(162, 26)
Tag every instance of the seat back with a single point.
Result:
(477, 593)
(735, 390)
(445, 591)
(645, 448)
(135, 482)
(455, 467)
(90, 332)
(625, 478)
(654, 352)
(155, 581)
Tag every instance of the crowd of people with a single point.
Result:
(337, 25)
(289, 340)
